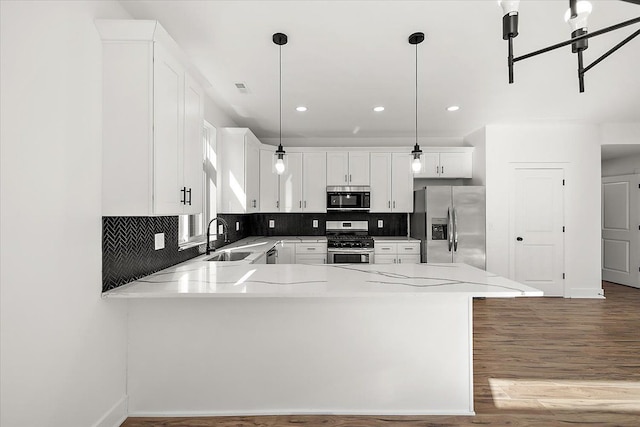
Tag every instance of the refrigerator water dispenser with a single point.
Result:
(439, 229)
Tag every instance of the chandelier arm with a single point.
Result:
(610, 51)
(575, 39)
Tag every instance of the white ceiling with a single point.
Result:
(345, 57)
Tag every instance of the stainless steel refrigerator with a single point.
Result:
(450, 222)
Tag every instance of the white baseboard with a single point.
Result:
(115, 416)
(593, 293)
(253, 413)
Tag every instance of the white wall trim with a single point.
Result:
(115, 416)
(586, 293)
(252, 413)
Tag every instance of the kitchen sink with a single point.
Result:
(229, 256)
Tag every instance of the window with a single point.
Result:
(192, 229)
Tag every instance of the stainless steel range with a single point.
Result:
(348, 242)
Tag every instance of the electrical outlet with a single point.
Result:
(315, 223)
(159, 241)
(380, 223)
(272, 224)
(237, 225)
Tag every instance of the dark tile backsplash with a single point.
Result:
(128, 242)
(128, 248)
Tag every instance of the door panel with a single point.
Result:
(620, 229)
(381, 182)
(537, 216)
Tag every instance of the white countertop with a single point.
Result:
(401, 239)
(201, 278)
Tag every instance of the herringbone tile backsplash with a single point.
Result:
(128, 248)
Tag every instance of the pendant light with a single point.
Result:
(416, 165)
(280, 39)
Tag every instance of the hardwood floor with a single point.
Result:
(537, 362)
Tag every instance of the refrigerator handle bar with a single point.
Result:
(449, 229)
(455, 230)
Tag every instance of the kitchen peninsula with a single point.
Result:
(209, 338)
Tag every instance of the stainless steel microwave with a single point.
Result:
(351, 198)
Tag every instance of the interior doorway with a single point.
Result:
(621, 214)
(536, 249)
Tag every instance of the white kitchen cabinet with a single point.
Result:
(291, 184)
(314, 182)
(152, 122)
(303, 184)
(311, 253)
(269, 183)
(391, 182)
(396, 252)
(348, 168)
(240, 165)
(286, 253)
(446, 164)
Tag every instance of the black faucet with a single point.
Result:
(225, 229)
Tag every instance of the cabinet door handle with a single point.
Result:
(350, 179)
(278, 204)
(305, 204)
(437, 169)
(183, 199)
(189, 202)
(441, 169)
(394, 204)
(300, 203)
(389, 202)
(394, 260)
(345, 178)
(399, 260)
(311, 249)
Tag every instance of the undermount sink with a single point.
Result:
(229, 256)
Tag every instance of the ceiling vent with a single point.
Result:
(242, 88)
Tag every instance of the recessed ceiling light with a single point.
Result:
(301, 108)
(378, 109)
(453, 108)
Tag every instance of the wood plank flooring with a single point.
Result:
(537, 362)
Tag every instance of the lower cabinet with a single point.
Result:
(286, 253)
(389, 252)
(311, 253)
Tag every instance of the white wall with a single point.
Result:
(63, 348)
(620, 133)
(478, 139)
(621, 166)
(577, 148)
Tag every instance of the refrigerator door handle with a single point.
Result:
(450, 229)
(455, 230)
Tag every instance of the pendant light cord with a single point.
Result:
(280, 59)
(416, 94)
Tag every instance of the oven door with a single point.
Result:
(349, 256)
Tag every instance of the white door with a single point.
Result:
(456, 165)
(169, 193)
(193, 144)
(401, 183)
(621, 229)
(381, 182)
(268, 183)
(359, 168)
(314, 182)
(291, 184)
(337, 168)
(537, 237)
(252, 175)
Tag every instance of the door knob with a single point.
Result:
(519, 239)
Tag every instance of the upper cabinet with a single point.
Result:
(269, 182)
(303, 184)
(447, 164)
(152, 121)
(240, 171)
(391, 182)
(347, 168)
